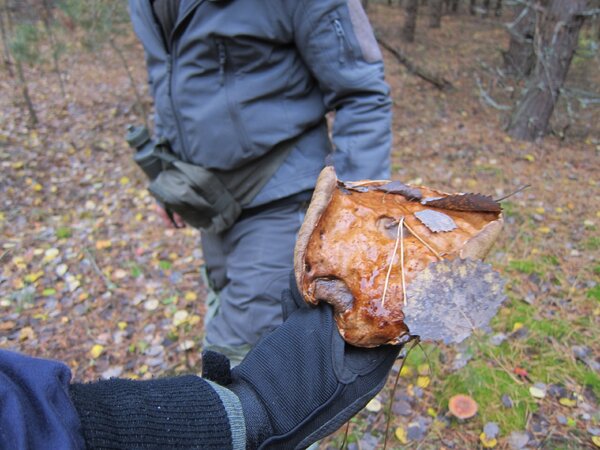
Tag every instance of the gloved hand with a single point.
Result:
(302, 381)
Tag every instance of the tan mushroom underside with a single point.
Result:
(346, 243)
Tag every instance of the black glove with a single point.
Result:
(302, 381)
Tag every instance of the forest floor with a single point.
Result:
(88, 275)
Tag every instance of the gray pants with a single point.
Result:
(246, 269)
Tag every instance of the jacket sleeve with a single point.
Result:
(337, 43)
(39, 408)
(35, 408)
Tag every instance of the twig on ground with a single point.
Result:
(109, 284)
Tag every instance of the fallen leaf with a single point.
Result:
(596, 441)
(423, 382)
(96, 351)
(400, 434)
(436, 221)
(373, 406)
(571, 403)
(487, 442)
(180, 317)
(26, 333)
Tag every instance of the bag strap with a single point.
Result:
(246, 182)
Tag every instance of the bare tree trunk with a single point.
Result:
(486, 7)
(435, 13)
(410, 22)
(519, 59)
(138, 97)
(5, 47)
(555, 46)
(473, 7)
(47, 19)
(498, 10)
(33, 119)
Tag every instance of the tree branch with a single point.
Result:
(441, 83)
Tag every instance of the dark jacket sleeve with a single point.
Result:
(39, 408)
(337, 43)
(35, 408)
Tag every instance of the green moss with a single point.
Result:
(594, 293)
(592, 243)
(524, 266)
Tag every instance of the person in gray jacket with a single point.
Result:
(242, 88)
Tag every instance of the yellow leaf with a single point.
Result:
(431, 412)
(1, 216)
(568, 402)
(190, 296)
(139, 217)
(103, 244)
(96, 351)
(400, 434)
(406, 372)
(122, 325)
(487, 443)
(124, 181)
(37, 187)
(529, 157)
(194, 320)
(540, 210)
(423, 382)
(18, 165)
(33, 277)
(517, 326)
(507, 139)
(559, 210)
(596, 441)
(544, 230)
(26, 333)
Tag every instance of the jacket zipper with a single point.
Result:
(339, 31)
(227, 82)
(222, 61)
(171, 77)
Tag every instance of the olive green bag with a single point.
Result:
(212, 200)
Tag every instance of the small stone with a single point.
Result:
(491, 430)
(518, 440)
(507, 401)
(151, 305)
(153, 362)
(538, 390)
(368, 442)
(402, 408)
(580, 351)
(593, 431)
(557, 391)
(155, 350)
(561, 419)
(415, 432)
(112, 372)
(497, 339)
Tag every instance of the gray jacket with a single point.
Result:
(245, 75)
